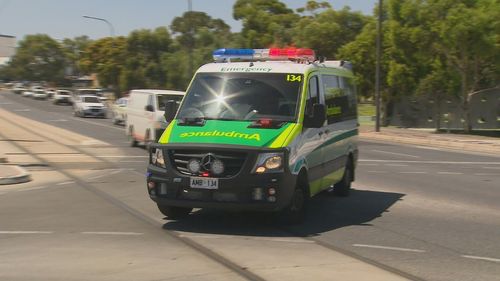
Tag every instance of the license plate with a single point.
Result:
(204, 183)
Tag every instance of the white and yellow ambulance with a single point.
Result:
(258, 129)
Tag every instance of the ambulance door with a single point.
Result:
(339, 125)
(313, 138)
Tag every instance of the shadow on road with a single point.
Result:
(326, 213)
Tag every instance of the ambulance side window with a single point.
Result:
(312, 94)
(350, 91)
(336, 99)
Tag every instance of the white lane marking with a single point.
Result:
(32, 188)
(493, 168)
(5, 103)
(98, 124)
(58, 120)
(65, 183)
(285, 240)
(26, 232)
(396, 165)
(413, 172)
(123, 156)
(367, 164)
(428, 162)
(389, 248)
(22, 110)
(450, 173)
(131, 161)
(394, 153)
(80, 155)
(378, 172)
(104, 175)
(487, 174)
(480, 258)
(428, 147)
(111, 233)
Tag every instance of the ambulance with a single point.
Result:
(258, 130)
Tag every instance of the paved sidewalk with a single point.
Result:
(425, 137)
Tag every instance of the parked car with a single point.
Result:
(119, 111)
(89, 106)
(19, 88)
(50, 93)
(40, 94)
(27, 93)
(62, 96)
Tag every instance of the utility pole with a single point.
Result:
(377, 70)
(191, 35)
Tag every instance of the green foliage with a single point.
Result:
(432, 48)
(327, 31)
(105, 57)
(266, 23)
(38, 58)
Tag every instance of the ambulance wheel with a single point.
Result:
(295, 212)
(174, 213)
(343, 187)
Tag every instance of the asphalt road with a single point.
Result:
(431, 213)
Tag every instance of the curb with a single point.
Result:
(22, 176)
(432, 143)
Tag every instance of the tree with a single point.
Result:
(196, 36)
(468, 38)
(38, 58)
(73, 50)
(106, 57)
(361, 52)
(143, 67)
(328, 30)
(265, 23)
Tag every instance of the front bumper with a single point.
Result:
(94, 112)
(239, 192)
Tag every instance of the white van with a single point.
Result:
(145, 121)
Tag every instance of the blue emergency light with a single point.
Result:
(264, 54)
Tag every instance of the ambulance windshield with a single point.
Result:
(243, 96)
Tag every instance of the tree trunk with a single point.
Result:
(467, 124)
(437, 102)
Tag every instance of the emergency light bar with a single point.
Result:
(264, 54)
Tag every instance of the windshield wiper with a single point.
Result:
(192, 121)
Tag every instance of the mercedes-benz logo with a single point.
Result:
(207, 160)
(210, 163)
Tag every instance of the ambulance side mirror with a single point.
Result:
(170, 110)
(318, 117)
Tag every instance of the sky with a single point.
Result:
(64, 18)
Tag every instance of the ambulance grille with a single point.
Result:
(233, 162)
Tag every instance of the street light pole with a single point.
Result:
(190, 9)
(377, 70)
(111, 28)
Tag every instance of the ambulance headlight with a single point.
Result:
(269, 163)
(157, 158)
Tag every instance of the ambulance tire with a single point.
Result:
(295, 212)
(133, 141)
(174, 213)
(343, 187)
